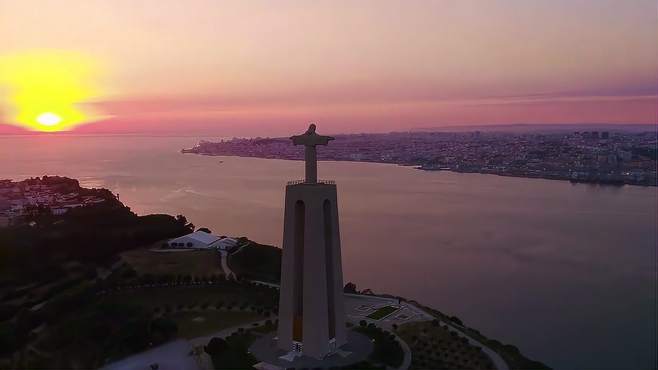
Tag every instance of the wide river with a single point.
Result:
(566, 272)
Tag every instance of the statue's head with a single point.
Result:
(311, 129)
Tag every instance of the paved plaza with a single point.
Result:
(357, 349)
(171, 356)
(358, 307)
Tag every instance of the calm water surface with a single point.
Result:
(565, 272)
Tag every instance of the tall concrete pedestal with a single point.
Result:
(311, 310)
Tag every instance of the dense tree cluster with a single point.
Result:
(387, 349)
(91, 235)
(49, 267)
(232, 352)
(257, 262)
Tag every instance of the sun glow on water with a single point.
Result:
(48, 91)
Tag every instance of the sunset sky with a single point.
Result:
(265, 67)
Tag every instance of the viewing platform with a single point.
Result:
(298, 182)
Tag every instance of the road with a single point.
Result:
(223, 256)
(172, 355)
(223, 260)
(406, 361)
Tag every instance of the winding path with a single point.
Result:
(223, 260)
(406, 361)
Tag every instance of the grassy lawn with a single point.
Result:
(117, 324)
(225, 293)
(192, 324)
(194, 263)
(382, 312)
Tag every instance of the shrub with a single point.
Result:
(9, 335)
(350, 288)
(216, 346)
(163, 329)
(387, 349)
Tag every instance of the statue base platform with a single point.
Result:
(357, 349)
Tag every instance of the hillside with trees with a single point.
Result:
(51, 265)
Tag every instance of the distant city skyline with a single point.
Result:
(239, 69)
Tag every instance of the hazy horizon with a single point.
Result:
(232, 68)
(519, 128)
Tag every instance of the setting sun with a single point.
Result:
(49, 119)
(49, 91)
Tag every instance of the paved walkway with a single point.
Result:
(358, 348)
(406, 362)
(271, 285)
(176, 355)
(169, 356)
(223, 261)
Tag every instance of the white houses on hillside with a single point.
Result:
(202, 240)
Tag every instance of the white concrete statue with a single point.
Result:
(310, 139)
